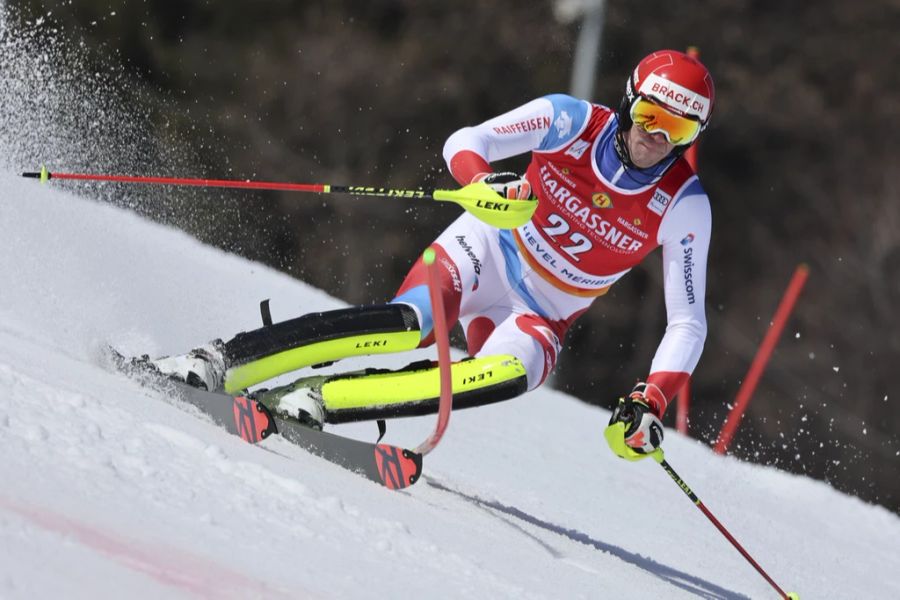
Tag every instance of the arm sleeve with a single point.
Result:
(684, 235)
(532, 126)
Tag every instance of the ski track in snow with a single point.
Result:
(114, 490)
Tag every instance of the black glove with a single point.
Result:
(509, 185)
(634, 431)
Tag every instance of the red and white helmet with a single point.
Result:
(673, 80)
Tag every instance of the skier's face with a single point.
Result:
(646, 149)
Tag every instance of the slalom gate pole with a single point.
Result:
(745, 392)
(659, 457)
(442, 341)
(683, 407)
(691, 154)
(476, 198)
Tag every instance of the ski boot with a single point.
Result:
(300, 401)
(202, 367)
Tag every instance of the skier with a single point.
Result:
(611, 186)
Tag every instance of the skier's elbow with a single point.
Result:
(459, 140)
(465, 154)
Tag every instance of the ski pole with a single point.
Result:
(476, 198)
(659, 457)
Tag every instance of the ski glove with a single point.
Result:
(509, 185)
(634, 431)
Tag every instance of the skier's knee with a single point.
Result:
(537, 360)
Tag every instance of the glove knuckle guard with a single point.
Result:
(647, 435)
(511, 186)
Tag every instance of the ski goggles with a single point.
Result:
(653, 118)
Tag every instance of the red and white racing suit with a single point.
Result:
(518, 291)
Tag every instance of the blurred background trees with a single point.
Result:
(800, 162)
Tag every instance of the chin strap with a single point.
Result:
(622, 148)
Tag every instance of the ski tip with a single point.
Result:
(793, 596)
(110, 357)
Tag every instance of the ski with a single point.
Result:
(391, 466)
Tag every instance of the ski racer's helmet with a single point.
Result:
(676, 83)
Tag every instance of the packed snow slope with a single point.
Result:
(111, 490)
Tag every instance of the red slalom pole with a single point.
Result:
(442, 341)
(659, 457)
(745, 392)
(683, 407)
(691, 154)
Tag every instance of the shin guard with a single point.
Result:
(318, 338)
(414, 390)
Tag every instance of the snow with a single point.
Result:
(111, 490)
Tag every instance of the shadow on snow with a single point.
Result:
(690, 583)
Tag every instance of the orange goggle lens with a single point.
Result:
(653, 118)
